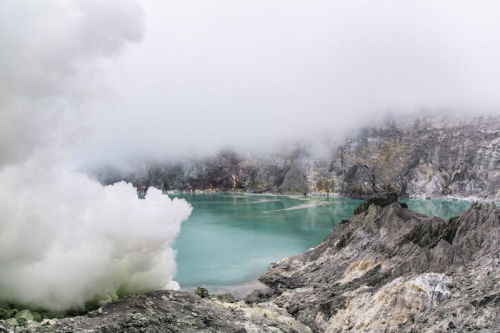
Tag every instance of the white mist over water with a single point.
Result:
(65, 240)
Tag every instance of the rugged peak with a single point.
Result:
(478, 229)
(386, 268)
(379, 199)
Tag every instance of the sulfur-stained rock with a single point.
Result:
(427, 157)
(390, 269)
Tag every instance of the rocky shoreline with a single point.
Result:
(387, 269)
(469, 198)
(428, 157)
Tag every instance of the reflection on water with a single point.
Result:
(438, 207)
(230, 239)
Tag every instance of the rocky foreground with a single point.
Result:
(387, 269)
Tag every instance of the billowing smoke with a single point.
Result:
(52, 52)
(65, 240)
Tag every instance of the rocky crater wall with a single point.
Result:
(423, 157)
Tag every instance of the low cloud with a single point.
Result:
(254, 74)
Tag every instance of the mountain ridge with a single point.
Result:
(424, 157)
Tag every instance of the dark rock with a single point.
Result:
(379, 199)
(202, 292)
(359, 181)
(258, 296)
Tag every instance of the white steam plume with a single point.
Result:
(64, 239)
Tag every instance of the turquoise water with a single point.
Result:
(231, 238)
(438, 207)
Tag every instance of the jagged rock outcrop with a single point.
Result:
(425, 157)
(387, 269)
(380, 199)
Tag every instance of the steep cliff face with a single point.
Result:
(423, 157)
(457, 158)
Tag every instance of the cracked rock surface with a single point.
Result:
(389, 269)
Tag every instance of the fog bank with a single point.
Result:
(254, 74)
(66, 240)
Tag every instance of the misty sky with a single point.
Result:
(201, 75)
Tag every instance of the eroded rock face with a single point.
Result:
(389, 269)
(294, 181)
(380, 199)
(423, 157)
(359, 181)
(426, 157)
